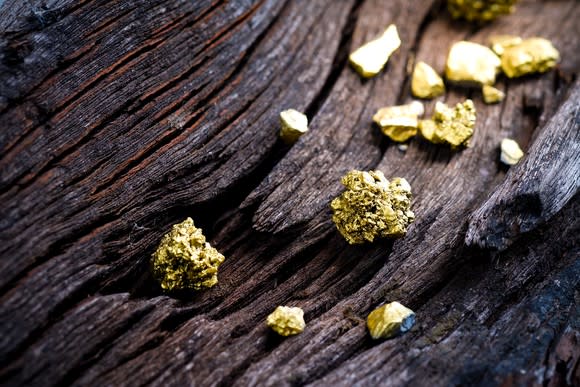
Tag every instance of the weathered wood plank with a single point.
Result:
(118, 119)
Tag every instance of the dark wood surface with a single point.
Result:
(121, 118)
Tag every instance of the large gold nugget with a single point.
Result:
(372, 207)
(286, 320)
(369, 59)
(453, 126)
(479, 10)
(534, 55)
(399, 123)
(293, 124)
(471, 64)
(426, 83)
(184, 260)
(390, 320)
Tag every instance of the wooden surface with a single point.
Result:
(121, 118)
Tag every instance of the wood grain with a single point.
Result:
(121, 118)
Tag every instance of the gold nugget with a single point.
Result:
(372, 207)
(534, 55)
(427, 129)
(499, 43)
(399, 123)
(184, 260)
(491, 94)
(369, 59)
(511, 153)
(286, 320)
(453, 126)
(426, 83)
(390, 320)
(479, 10)
(471, 64)
(293, 124)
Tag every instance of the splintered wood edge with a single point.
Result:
(536, 188)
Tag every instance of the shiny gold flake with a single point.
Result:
(471, 64)
(511, 152)
(427, 129)
(390, 320)
(426, 83)
(369, 59)
(453, 126)
(491, 94)
(480, 10)
(286, 320)
(293, 124)
(499, 43)
(534, 55)
(372, 207)
(184, 260)
(399, 123)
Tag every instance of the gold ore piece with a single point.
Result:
(491, 94)
(511, 152)
(369, 59)
(399, 123)
(470, 64)
(286, 320)
(453, 126)
(426, 83)
(499, 43)
(372, 207)
(479, 10)
(390, 320)
(293, 124)
(184, 260)
(534, 55)
(427, 129)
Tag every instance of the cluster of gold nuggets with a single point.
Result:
(371, 206)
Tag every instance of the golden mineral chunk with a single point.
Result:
(369, 59)
(399, 123)
(184, 260)
(491, 94)
(511, 152)
(453, 126)
(499, 43)
(426, 83)
(286, 320)
(390, 320)
(479, 10)
(534, 55)
(471, 64)
(293, 124)
(372, 207)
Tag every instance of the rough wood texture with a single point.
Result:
(120, 118)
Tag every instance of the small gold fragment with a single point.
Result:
(369, 59)
(471, 64)
(499, 43)
(511, 152)
(184, 260)
(479, 10)
(399, 123)
(453, 126)
(534, 55)
(491, 94)
(286, 320)
(293, 124)
(372, 207)
(426, 83)
(390, 320)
